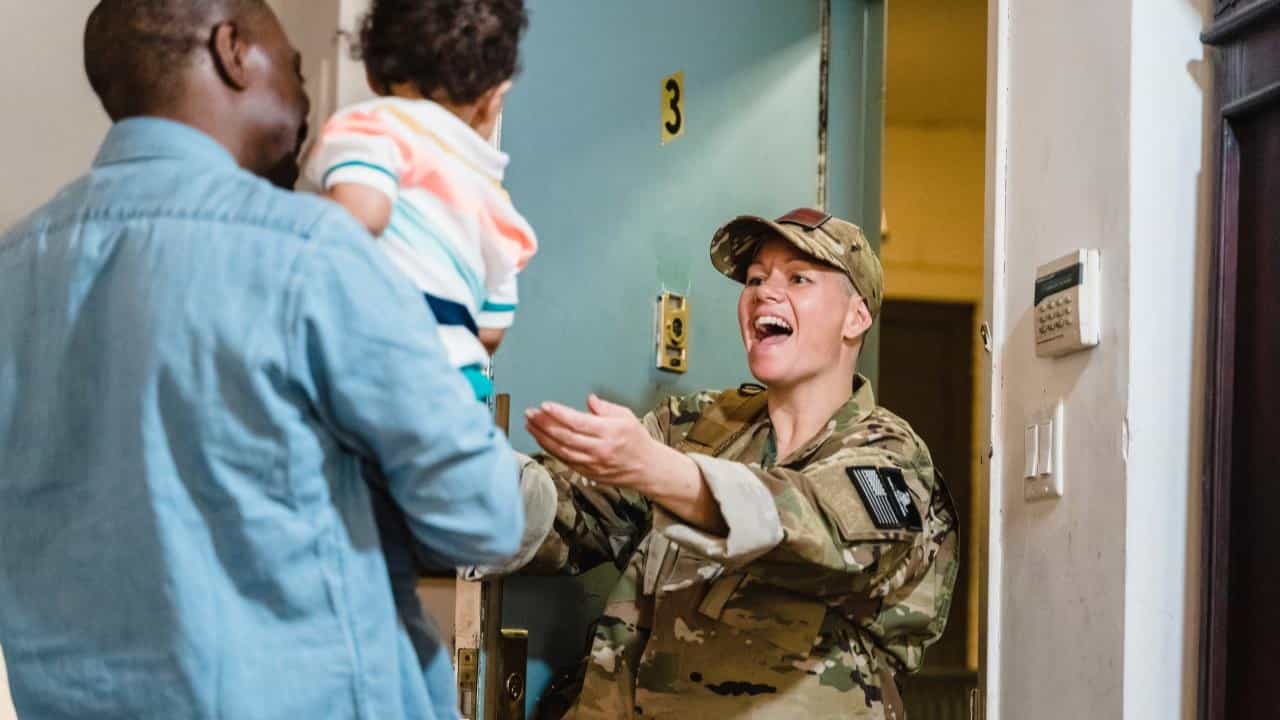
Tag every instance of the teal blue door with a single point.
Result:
(622, 217)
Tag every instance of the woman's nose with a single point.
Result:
(769, 291)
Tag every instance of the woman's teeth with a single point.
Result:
(769, 325)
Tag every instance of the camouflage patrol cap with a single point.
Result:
(828, 239)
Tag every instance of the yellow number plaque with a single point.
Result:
(672, 107)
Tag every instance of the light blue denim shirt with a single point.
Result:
(193, 366)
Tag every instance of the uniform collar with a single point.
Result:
(854, 411)
(146, 138)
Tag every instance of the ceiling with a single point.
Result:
(937, 62)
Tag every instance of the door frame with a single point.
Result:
(986, 702)
(1233, 46)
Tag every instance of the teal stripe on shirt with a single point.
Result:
(417, 227)
(359, 163)
(481, 385)
(496, 307)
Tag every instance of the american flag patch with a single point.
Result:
(886, 496)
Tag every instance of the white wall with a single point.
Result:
(1170, 179)
(1096, 143)
(54, 123)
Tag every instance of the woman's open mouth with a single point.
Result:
(771, 330)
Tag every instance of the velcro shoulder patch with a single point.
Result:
(886, 496)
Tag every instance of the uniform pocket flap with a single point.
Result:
(790, 621)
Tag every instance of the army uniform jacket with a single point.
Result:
(836, 574)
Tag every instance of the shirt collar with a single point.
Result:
(427, 117)
(854, 411)
(145, 138)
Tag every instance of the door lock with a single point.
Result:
(673, 333)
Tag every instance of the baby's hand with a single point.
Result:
(491, 338)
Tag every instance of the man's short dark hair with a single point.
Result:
(461, 47)
(135, 50)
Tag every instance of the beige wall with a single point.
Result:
(1098, 111)
(6, 705)
(54, 123)
(933, 200)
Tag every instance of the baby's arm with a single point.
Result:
(497, 313)
(370, 206)
(357, 162)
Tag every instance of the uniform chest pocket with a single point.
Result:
(678, 568)
(786, 620)
(871, 503)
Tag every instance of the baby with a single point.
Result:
(417, 167)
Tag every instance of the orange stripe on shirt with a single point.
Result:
(518, 242)
(370, 125)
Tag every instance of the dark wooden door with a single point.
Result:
(926, 376)
(1242, 498)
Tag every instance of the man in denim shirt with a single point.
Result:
(193, 367)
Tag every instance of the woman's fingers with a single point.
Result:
(584, 423)
(604, 408)
(566, 435)
(573, 457)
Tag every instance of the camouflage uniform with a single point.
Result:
(818, 596)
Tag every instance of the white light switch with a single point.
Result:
(1030, 444)
(1043, 441)
(1044, 447)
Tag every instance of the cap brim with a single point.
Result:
(744, 235)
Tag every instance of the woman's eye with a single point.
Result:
(799, 279)
(754, 281)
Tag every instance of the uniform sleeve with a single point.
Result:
(864, 521)
(891, 568)
(499, 309)
(361, 147)
(366, 352)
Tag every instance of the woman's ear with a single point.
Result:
(857, 320)
(228, 48)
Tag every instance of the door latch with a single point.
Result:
(673, 333)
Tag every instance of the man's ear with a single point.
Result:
(857, 321)
(228, 49)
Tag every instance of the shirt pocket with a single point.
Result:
(859, 515)
(782, 619)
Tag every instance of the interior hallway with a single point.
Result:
(1096, 131)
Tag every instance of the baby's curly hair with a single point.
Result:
(461, 47)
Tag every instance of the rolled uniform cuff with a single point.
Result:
(538, 491)
(748, 508)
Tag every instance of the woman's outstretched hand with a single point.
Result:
(609, 445)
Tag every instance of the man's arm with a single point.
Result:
(365, 347)
(575, 524)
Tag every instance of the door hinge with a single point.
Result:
(977, 704)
